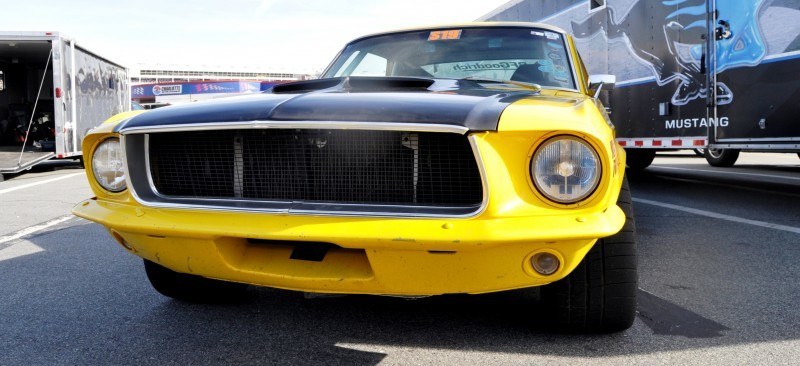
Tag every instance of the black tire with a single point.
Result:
(638, 159)
(721, 157)
(191, 288)
(699, 152)
(599, 296)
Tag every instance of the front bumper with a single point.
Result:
(388, 256)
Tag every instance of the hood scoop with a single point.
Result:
(355, 84)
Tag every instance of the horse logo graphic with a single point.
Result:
(673, 49)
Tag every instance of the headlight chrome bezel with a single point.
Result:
(96, 171)
(542, 193)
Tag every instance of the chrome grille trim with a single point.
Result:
(285, 125)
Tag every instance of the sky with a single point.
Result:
(265, 35)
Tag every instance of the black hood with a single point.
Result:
(352, 99)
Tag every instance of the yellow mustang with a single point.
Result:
(463, 159)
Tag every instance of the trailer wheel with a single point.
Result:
(699, 152)
(600, 294)
(638, 159)
(721, 157)
(191, 288)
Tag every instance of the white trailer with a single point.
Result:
(52, 92)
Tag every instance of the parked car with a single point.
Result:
(136, 106)
(461, 159)
(148, 106)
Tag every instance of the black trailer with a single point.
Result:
(52, 92)
(722, 76)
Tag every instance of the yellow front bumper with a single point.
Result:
(390, 256)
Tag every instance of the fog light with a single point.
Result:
(545, 263)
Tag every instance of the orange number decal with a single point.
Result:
(445, 35)
(452, 34)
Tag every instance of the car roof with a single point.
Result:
(468, 25)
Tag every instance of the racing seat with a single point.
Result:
(529, 73)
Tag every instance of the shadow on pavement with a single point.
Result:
(83, 300)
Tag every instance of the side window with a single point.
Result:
(371, 65)
(347, 64)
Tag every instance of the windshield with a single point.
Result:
(527, 55)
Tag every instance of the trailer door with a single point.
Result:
(61, 90)
(67, 143)
(754, 74)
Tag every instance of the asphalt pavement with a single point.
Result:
(719, 252)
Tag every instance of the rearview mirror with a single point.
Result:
(600, 81)
(2, 81)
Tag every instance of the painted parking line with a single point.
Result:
(720, 216)
(34, 184)
(34, 229)
(24, 247)
(727, 172)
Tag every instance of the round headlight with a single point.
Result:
(108, 166)
(565, 169)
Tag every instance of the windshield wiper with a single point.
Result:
(525, 85)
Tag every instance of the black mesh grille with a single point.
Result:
(334, 166)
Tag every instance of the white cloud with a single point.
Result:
(264, 7)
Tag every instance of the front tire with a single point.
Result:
(191, 288)
(599, 296)
(721, 157)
